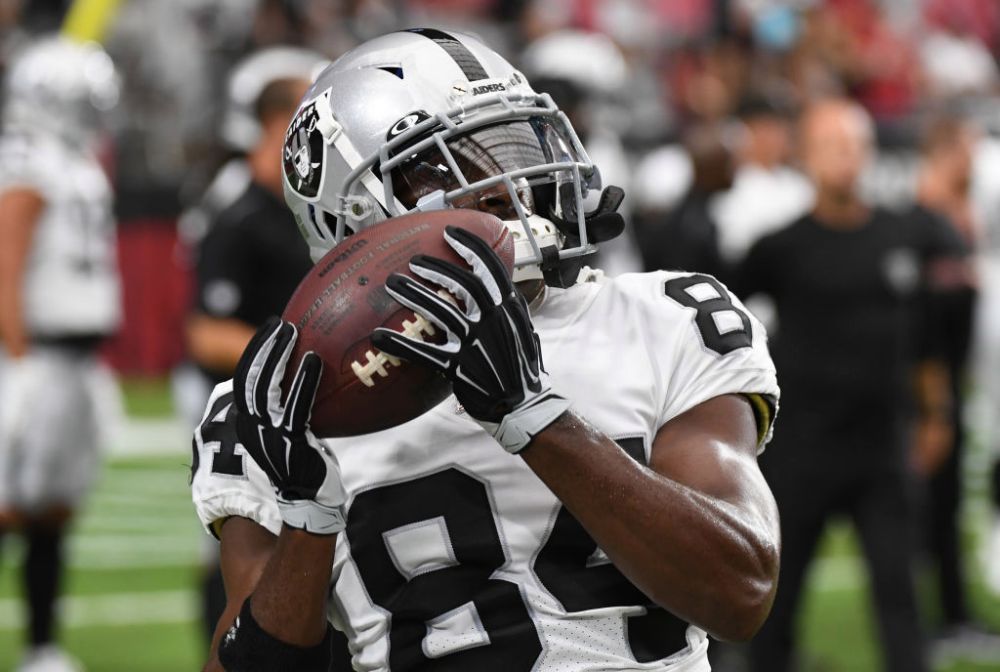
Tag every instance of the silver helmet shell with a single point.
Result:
(425, 120)
(62, 87)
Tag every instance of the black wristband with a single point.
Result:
(247, 647)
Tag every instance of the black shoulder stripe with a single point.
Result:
(469, 64)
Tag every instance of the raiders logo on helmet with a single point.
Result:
(303, 153)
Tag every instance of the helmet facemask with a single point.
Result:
(513, 155)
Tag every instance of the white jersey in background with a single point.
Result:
(456, 555)
(71, 285)
(760, 202)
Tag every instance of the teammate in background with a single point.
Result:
(59, 299)
(943, 189)
(686, 237)
(849, 283)
(509, 528)
(250, 257)
(767, 193)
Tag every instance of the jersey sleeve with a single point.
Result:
(225, 481)
(709, 345)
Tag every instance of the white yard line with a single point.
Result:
(181, 606)
(152, 436)
(836, 574)
(118, 609)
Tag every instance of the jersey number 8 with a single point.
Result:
(722, 325)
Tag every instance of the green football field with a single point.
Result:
(131, 599)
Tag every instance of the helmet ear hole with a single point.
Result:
(330, 220)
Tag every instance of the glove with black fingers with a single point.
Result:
(305, 473)
(492, 355)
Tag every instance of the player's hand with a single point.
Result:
(492, 355)
(304, 472)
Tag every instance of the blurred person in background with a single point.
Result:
(959, 48)
(849, 282)
(767, 193)
(59, 299)
(943, 191)
(685, 237)
(957, 63)
(250, 256)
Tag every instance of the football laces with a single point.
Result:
(378, 363)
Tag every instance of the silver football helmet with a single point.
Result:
(426, 120)
(62, 87)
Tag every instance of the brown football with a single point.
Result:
(343, 298)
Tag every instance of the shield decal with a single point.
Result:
(303, 154)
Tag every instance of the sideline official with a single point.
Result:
(852, 294)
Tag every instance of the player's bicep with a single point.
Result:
(712, 448)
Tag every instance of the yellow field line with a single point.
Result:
(89, 20)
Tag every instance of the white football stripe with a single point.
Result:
(115, 609)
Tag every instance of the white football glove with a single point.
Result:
(492, 355)
(305, 473)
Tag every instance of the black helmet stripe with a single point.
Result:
(469, 64)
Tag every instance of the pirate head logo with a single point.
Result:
(303, 154)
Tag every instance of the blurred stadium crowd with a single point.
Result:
(656, 75)
(690, 105)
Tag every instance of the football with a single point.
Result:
(343, 298)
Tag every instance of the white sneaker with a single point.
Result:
(49, 658)
(969, 642)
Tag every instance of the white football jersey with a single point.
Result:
(456, 556)
(71, 285)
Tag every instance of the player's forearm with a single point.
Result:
(13, 333)
(215, 343)
(19, 213)
(707, 560)
(290, 600)
(932, 388)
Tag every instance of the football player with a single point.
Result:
(599, 510)
(59, 298)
